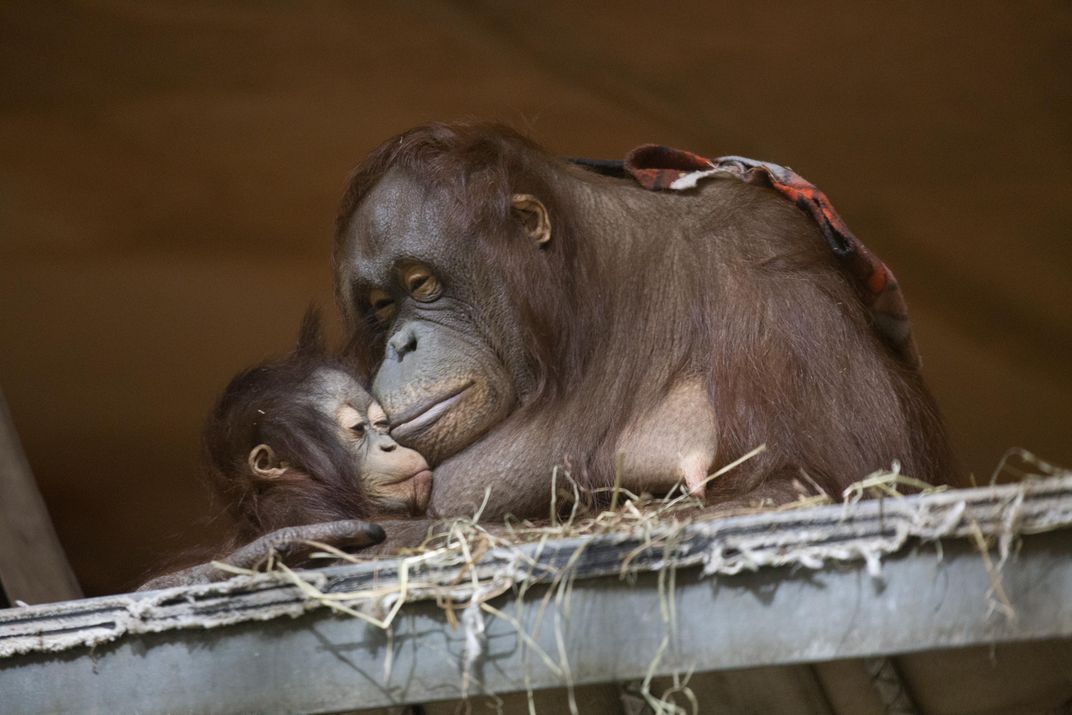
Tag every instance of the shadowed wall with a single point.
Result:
(169, 174)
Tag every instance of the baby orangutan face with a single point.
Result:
(394, 478)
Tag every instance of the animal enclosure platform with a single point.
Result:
(872, 579)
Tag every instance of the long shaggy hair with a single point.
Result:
(271, 404)
(730, 283)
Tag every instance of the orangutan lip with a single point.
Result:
(426, 414)
(403, 478)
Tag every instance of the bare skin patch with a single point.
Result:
(671, 442)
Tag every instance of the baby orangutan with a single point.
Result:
(300, 443)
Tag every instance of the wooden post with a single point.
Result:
(33, 567)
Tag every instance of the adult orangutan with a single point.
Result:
(521, 312)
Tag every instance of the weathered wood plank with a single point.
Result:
(33, 566)
(874, 579)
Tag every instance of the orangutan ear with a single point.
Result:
(534, 218)
(264, 464)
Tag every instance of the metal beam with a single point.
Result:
(597, 628)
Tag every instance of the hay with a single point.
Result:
(467, 565)
(656, 523)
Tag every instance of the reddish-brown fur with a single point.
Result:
(314, 490)
(259, 406)
(638, 289)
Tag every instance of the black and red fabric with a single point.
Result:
(662, 168)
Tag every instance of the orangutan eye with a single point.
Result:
(421, 283)
(350, 419)
(359, 429)
(383, 307)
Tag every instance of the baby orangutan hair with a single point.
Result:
(301, 441)
(298, 451)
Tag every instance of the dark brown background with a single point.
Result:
(169, 172)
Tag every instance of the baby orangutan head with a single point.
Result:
(300, 441)
(395, 479)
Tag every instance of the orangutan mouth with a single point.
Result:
(419, 418)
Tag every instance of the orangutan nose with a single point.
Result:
(402, 343)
